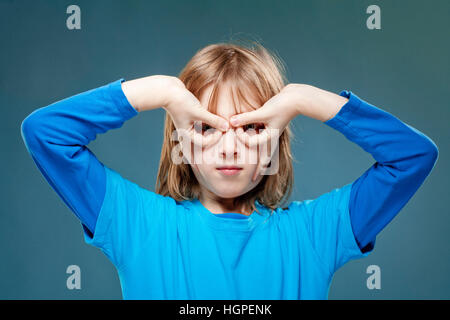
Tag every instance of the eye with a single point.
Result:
(254, 127)
(203, 128)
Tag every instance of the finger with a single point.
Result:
(211, 119)
(263, 161)
(266, 153)
(184, 140)
(258, 115)
(186, 137)
(209, 137)
(257, 171)
(255, 174)
(196, 138)
(253, 139)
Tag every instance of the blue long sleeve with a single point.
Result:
(56, 137)
(404, 158)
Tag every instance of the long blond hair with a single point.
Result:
(244, 65)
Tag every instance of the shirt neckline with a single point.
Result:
(231, 215)
(229, 222)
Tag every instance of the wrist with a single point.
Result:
(176, 94)
(319, 104)
(302, 96)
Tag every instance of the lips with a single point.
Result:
(229, 170)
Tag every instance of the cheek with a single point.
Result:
(204, 163)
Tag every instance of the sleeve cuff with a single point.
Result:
(98, 238)
(343, 117)
(118, 96)
(348, 237)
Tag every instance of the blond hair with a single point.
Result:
(245, 65)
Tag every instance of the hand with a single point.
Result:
(189, 117)
(275, 115)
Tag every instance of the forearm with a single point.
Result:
(404, 155)
(317, 103)
(150, 92)
(56, 137)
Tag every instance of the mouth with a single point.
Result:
(229, 170)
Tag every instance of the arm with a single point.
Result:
(342, 224)
(56, 136)
(404, 158)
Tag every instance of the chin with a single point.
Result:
(228, 192)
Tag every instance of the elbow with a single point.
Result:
(430, 154)
(418, 164)
(26, 131)
(29, 129)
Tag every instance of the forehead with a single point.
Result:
(228, 100)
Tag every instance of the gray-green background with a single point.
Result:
(402, 68)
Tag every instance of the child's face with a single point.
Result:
(229, 150)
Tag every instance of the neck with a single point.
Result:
(217, 204)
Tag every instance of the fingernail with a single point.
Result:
(234, 121)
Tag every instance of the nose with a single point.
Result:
(229, 148)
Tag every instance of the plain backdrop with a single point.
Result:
(402, 68)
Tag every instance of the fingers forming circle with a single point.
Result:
(253, 139)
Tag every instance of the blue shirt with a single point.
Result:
(164, 249)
